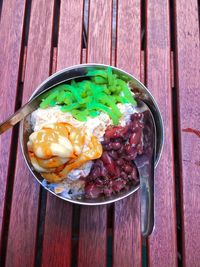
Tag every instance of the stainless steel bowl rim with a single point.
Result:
(84, 66)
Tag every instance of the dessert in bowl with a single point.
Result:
(81, 142)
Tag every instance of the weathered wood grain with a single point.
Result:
(58, 220)
(93, 220)
(92, 236)
(187, 81)
(57, 233)
(70, 33)
(99, 32)
(162, 248)
(24, 210)
(126, 233)
(11, 28)
(127, 245)
(128, 36)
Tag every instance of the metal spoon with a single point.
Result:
(145, 166)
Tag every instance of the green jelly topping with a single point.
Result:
(102, 91)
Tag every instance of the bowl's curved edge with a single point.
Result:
(84, 66)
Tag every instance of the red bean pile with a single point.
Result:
(115, 170)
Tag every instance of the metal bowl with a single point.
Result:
(80, 71)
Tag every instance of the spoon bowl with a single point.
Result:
(145, 165)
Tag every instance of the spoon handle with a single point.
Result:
(147, 196)
(19, 115)
(29, 107)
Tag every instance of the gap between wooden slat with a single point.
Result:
(1, 3)
(143, 25)
(172, 68)
(85, 23)
(26, 34)
(56, 23)
(176, 171)
(40, 228)
(175, 132)
(75, 234)
(142, 66)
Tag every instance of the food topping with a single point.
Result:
(101, 92)
(59, 148)
(86, 136)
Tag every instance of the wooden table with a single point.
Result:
(158, 42)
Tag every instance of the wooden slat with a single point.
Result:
(24, 210)
(92, 237)
(57, 233)
(70, 33)
(128, 36)
(188, 85)
(162, 243)
(93, 220)
(99, 32)
(127, 237)
(11, 28)
(58, 220)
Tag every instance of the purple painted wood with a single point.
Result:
(11, 28)
(162, 248)
(25, 200)
(92, 250)
(70, 33)
(187, 80)
(99, 32)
